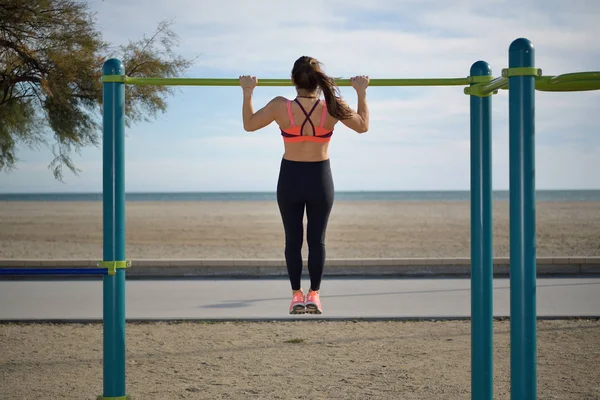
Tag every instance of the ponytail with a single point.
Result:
(307, 74)
(332, 96)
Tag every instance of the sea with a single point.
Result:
(413, 196)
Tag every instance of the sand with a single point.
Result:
(226, 230)
(291, 360)
(288, 360)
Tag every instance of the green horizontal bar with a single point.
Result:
(575, 76)
(575, 82)
(279, 82)
(579, 81)
(545, 85)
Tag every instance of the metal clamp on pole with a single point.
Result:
(521, 71)
(112, 266)
(126, 397)
(476, 91)
(478, 82)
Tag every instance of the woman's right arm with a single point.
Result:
(359, 121)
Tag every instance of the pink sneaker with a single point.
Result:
(313, 303)
(297, 306)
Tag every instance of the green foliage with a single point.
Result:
(51, 58)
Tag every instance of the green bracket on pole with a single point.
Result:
(126, 397)
(487, 87)
(112, 266)
(476, 91)
(521, 71)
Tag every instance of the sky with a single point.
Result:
(418, 137)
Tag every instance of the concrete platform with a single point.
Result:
(268, 299)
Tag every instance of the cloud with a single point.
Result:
(266, 36)
(419, 137)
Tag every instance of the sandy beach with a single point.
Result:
(292, 360)
(227, 230)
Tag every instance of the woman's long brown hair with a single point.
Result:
(308, 75)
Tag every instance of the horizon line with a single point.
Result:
(274, 192)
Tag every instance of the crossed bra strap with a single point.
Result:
(307, 115)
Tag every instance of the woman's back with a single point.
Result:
(306, 127)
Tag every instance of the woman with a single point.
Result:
(305, 179)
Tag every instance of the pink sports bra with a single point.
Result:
(294, 133)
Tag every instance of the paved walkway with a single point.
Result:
(269, 299)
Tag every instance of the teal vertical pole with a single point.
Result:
(482, 373)
(114, 230)
(521, 100)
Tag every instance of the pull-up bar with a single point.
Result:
(481, 85)
(278, 82)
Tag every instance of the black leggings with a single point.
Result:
(310, 185)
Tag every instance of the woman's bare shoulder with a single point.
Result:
(278, 102)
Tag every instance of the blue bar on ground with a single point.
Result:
(53, 271)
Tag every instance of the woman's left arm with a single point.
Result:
(264, 116)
